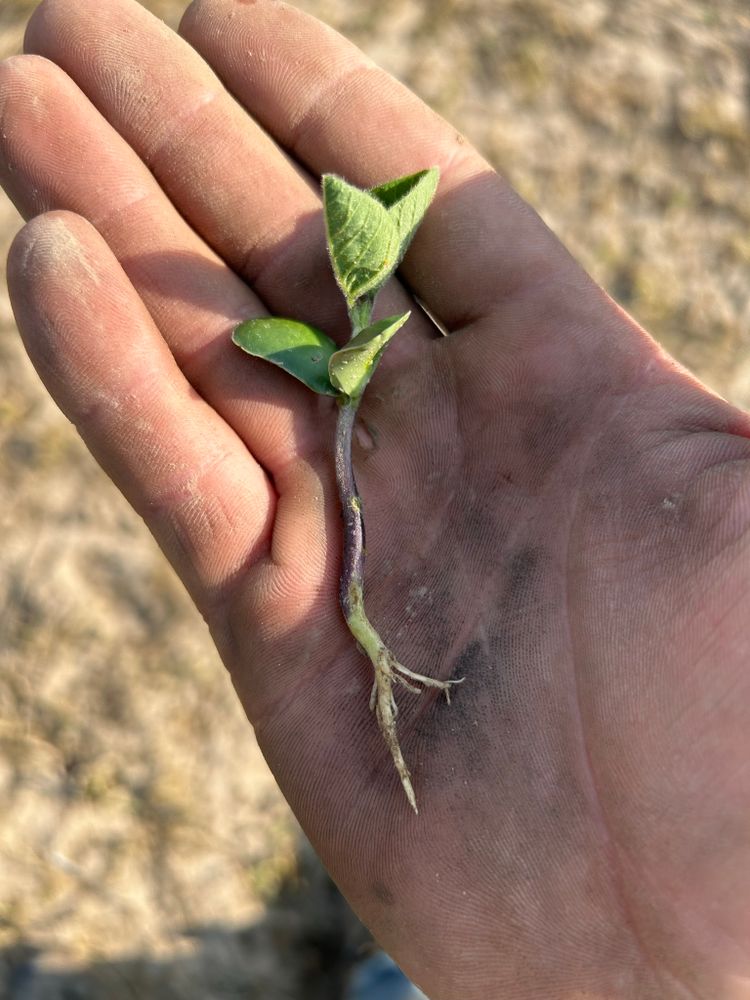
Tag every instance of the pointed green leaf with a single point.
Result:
(352, 367)
(407, 199)
(296, 347)
(363, 239)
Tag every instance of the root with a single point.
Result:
(387, 672)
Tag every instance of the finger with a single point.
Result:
(334, 110)
(225, 175)
(208, 503)
(194, 297)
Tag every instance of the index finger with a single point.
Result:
(334, 110)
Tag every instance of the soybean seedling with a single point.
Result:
(368, 233)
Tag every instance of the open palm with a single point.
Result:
(555, 510)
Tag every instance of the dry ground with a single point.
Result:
(144, 849)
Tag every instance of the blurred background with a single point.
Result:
(144, 849)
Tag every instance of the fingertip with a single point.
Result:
(36, 96)
(19, 75)
(32, 25)
(41, 22)
(30, 250)
(50, 267)
(10, 68)
(45, 245)
(200, 13)
(189, 17)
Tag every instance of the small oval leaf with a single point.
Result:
(298, 348)
(363, 239)
(352, 367)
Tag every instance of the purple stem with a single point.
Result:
(353, 565)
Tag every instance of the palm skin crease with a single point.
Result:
(555, 509)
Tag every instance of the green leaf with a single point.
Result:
(363, 239)
(407, 199)
(296, 347)
(352, 367)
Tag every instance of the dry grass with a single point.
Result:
(144, 850)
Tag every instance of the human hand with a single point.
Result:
(554, 508)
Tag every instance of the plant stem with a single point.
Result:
(351, 587)
(353, 565)
(351, 595)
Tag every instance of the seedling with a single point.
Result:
(368, 234)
